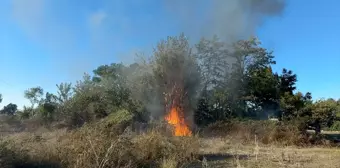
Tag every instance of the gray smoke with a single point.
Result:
(229, 19)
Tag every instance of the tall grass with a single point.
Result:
(95, 146)
(267, 132)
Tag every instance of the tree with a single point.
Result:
(34, 95)
(297, 108)
(176, 76)
(323, 114)
(117, 82)
(287, 82)
(268, 91)
(294, 106)
(237, 76)
(9, 109)
(114, 71)
(249, 56)
(84, 85)
(263, 92)
(64, 92)
(251, 84)
(0, 97)
(97, 96)
(25, 113)
(213, 58)
(48, 106)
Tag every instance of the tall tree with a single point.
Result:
(263, 92)
(34, 95)
(112, 79)
(250, 56)
(176, 75)
(233, 73)
(213, 59)
(287, 82)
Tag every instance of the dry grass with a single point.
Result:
(227, 152)
(264, 144)
(93, 146)
(99, 146)
(267, 132)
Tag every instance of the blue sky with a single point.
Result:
(45, 42)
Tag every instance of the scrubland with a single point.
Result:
(232, 144)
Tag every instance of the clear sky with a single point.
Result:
(45, 42)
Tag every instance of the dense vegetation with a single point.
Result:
(214, 82)
(221, 82)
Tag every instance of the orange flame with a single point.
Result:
(174, 118)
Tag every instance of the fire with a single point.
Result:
(174, 118)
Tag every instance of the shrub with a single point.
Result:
(154, 147)
(94, 147)
(335, 126)
(266, 131)
(13, 156)
(119, 117)
(97, 146)
(7, 156)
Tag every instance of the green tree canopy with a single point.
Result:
(9, 109)
(34, 95)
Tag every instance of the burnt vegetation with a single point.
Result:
(116, 116)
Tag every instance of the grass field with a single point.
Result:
(213, 152)
(220, 152)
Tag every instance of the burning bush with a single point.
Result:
(175, 73)
(175, 118)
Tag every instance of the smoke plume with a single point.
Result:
(228, 19)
